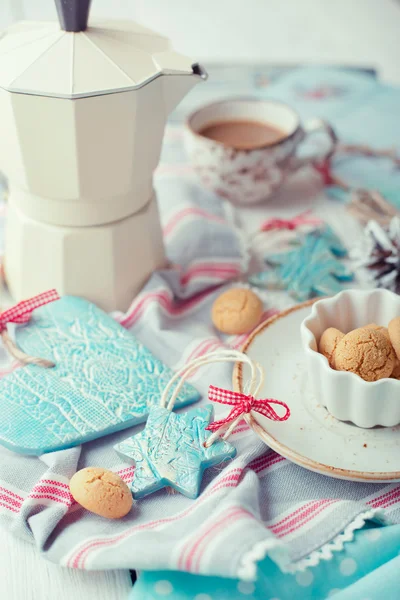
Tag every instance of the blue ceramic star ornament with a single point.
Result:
(170, 451)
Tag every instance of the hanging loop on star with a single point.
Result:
(243, 403)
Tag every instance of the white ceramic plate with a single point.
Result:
(311, 437)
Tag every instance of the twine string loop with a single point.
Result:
(21, 314)
(243, 402)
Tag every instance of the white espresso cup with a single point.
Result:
(247, 176)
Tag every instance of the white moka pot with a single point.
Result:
(82, 116)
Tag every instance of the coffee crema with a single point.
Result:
(243, 135)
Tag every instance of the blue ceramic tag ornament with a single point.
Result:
(170, 451)
(104, 380)
(312, 269)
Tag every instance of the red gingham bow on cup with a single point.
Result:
(243, 404)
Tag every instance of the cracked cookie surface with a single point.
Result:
(236, 311)
(367, 353)
(102, 492)
(380, 328)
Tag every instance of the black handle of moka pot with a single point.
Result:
(73, 14)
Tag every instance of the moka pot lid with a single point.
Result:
(72, 60)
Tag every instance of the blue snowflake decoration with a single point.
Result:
(170, 451)
(331, 240)
(312, 269)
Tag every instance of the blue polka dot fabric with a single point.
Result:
(366, 569)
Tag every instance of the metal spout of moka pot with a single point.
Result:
(199, 70)
(73, 14)
(176, 86)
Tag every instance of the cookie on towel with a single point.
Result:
(102, 492)
(236, 311)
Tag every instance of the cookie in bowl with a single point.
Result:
(366, 352)
(352, 364)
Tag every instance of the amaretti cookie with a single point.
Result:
(236, 311)
(102, 492)
(328, 344)
(367, 353)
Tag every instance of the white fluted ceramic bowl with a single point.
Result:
(345, 395)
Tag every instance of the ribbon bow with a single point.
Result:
(290, 224)
(22, 312)
(19, 314)
(243, 404)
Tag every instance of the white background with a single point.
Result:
(363, 32)
(360, 32)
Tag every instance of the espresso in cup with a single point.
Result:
(243, 149)
(243, 135)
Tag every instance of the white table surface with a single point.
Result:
(364, 32)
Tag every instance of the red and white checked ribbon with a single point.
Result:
(243, 404)
(22, 312)
(290, 224)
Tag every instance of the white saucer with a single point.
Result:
(311, 437)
